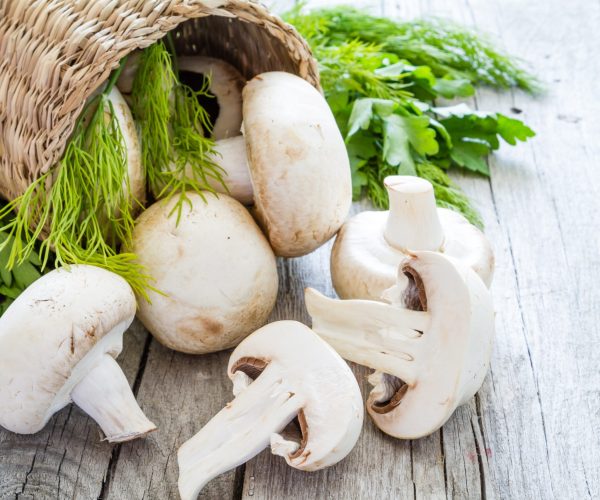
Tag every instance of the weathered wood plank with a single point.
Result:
(548, 207)
(67, 459)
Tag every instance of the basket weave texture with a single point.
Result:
(55, 53)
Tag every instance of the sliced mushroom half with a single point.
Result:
(430, 346)
(292, 391)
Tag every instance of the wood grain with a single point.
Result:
(533, 431)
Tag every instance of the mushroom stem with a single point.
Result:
(413, 222)
(238, 432)
(370, 333)
(231, 156)
(104, 394)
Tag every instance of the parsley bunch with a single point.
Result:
(381, 79)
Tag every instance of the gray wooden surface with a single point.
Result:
(533, 431)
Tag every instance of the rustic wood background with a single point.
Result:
(533, 431)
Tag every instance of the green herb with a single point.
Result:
(14, 281)
(83, 208)
(381, 78)
(175, 153)
(449, 50)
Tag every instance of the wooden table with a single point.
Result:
(533, 431)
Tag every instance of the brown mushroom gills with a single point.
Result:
(414, 298)
(297, 429)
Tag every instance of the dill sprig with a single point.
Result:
(83, 207)
(450, 50)
(381, 78)
(177, 157)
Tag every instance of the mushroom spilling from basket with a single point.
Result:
(58, 341)
(292, 392)
(430, 343)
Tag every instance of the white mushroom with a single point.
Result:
(286, 381)
(431, 345)
(371, 245)
(214, 267)
(135, 171)
(291, 163)
(226, 85)
(58, 341)
(135, 185)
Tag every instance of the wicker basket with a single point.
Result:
(55, 53)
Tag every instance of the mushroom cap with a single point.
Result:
(215, 268)
(364, 264)
(137, 181)
(298, 163)
(51, 337)
(226, 84)
(452, 354)
(333, 410)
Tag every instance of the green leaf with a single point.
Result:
(11, 292)
(25, 274)
(5, 274)
(453, 87)
(360, 118)
(471, 156)
(512, 130)
(396, 145)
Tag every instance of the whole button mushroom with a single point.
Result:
(431, 345)
(291, 163)
(292, 391)
(371, 245)
(214, 268)
(58, 341)
(137, 182)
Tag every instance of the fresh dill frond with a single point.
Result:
(446, 47)
(83, 207)
(177, 157)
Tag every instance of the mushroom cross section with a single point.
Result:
(430, 346)
(371, 245)
(58, 341)
(292, 391)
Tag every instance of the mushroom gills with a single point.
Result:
(261, 410)
(387, 393)
(295, 434)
